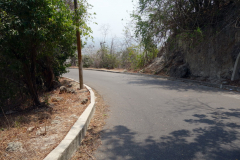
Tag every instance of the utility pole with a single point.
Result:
(79, 48)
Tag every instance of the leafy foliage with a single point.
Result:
(87, 61)
(36, 38)
(158, 19)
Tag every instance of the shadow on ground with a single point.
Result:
(176, 85)
(218, 140)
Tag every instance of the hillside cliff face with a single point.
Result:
(213, 57)
(208, 54)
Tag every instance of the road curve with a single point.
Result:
(154, 118)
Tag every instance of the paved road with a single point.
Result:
(154, 118)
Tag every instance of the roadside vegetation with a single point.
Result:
(33, 134)
(36, 38)
(156, 28)
(128, 53)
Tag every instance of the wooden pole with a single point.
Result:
(79, 49)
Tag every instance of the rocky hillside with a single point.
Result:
(207, 54)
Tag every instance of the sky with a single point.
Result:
(110, 12)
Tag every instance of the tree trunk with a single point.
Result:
(30, 75)
(206, 4)
(216, 3)
(30, 84)
(48, 74)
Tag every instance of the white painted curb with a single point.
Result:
(73, 139)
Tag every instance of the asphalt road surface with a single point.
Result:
(153, 118)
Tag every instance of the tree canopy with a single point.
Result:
(36, 38)
(158, 19)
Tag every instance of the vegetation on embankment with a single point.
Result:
(191, 38)
(36, 38)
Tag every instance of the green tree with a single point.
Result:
(36, 37)
(156, 20)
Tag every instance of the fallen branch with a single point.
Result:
(89, 154)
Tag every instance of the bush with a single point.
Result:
(87, 61)
(36, 38)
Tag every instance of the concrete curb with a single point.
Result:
(74, 137)
(221, 86)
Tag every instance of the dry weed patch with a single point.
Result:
(32, 134)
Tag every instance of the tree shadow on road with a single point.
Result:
(218, 140)
(177, 85)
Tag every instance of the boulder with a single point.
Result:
(14, 146)
(57, 120)
(56, 84)
(30, 129)
(10, 112)
(42, 131)
(74, 116)
(63, 89)
(84, 100)
(69, 90)
(69, 85)
(179, 72)
(56, 99)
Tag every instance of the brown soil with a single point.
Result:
(55, 120)
(92, 139)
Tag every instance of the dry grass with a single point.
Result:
(92, 139)
(55, 119)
